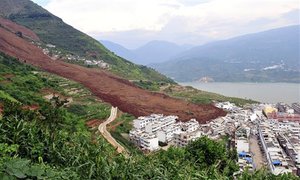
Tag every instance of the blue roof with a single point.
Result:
(276, 162)
(242, 153)
(249, 160)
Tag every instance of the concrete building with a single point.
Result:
(150, 130)
(166, 134)
(277, 159)
(149, 142)
(296, 107)
(243, 148)
(183, 138)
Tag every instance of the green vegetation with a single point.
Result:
(149, 85)
(52, 142)
(28, 85)
(189, 93)
(120, 128)
(52, 30)
(201, 97)
(4, 95)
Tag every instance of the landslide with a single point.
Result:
(53, 30)
(13, 27)
(110, 88)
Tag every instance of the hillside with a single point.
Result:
(43, 140)
(52, 30)
(110, 88)
(151, 52)
(270, 56)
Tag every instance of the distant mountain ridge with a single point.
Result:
(119, 50)
(269, 56)
(152, 52)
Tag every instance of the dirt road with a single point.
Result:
(102, 129)
(256, 152)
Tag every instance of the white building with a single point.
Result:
(150, 130)
(242, 145)
(277, 159)
(182, 139)
(149, 142)
(166, 134)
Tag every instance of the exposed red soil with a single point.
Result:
(114, 90)
(13, 27)
(112, 127)
(8, 76)
(31, 107)
(1, 108)
(47, 91)
(93, 123)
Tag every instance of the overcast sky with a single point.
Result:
(135, 22)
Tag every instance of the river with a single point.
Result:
(263, 92)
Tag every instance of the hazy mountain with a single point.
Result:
(119, 50)
(152, 52)
(158, 51)
(266, 56)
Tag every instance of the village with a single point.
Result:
(55, 54)
(264, 135)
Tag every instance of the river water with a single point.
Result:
(263, 92)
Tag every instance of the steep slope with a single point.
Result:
(52, 30)
(114, 90)
(15, 28)
(266, 56)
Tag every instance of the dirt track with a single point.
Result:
(102, 129)
(114, 90)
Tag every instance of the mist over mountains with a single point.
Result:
(269, 56)
(152, 52)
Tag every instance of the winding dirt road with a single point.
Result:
(102, 129)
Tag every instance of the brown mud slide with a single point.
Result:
(110, 88)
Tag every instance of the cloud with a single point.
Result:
(292, 16)
(181, 21)
(193, 2)
(41, 2)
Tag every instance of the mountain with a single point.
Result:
(17, 41)
(119, 50)
(69, 41)
(158, 51)
(152, 52)
(269, 56)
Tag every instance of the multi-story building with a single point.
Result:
(296, 107)
(276, 157)
(142, 121)
(166, 134)
(147, 142)
(148, 131)
(160, 123)
(183, 138)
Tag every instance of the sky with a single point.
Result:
(133, 23)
